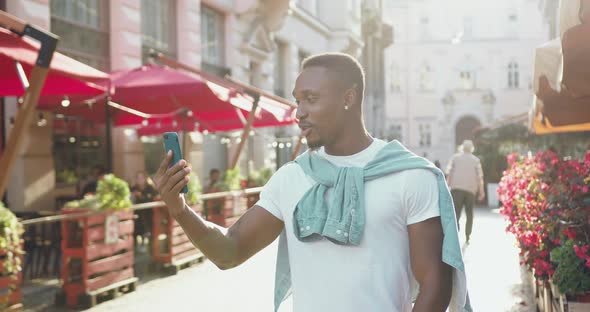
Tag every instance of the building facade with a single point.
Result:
(259, 42)
(457, 66)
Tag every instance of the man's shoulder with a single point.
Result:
(288, 172)
(418, 176)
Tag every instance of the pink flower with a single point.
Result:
(588, 262)
(512, 158)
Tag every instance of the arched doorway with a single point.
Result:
(465, 129)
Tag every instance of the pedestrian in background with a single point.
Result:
(465, 179)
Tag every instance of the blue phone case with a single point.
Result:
(171, 143)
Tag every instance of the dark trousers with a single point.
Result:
(463, 198)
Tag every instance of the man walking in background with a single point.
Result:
(465, 179)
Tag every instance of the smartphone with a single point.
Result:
(171, 143)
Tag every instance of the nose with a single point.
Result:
(300, 113)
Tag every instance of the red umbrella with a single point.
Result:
(66, 75)
(156, 89)
(162, 93)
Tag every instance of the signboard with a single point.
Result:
(111, 231)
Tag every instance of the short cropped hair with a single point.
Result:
(345, 66)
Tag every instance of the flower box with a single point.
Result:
(232, 207)
(171, 247)
(10, 287)
(97, 256)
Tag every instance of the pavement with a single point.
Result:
(491, 259)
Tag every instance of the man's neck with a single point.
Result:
(349, 144)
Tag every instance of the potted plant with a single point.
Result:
(97, 249)
(10, 260)
(257, 179)
(546, 200)
(172, 249)
(572, 272)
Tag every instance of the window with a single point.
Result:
(395, 132)
(425, 135)
(157, 31)
(425, 78)
(513, 81)
(77, 147)
(82, 26)
(467, 79)
(212, 36)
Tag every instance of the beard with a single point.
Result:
(314, 145)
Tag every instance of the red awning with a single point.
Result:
(66, 75)
(166, 95)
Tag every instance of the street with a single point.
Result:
(491, 258)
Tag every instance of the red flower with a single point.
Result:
(570, 233)
(588, 262)
(581, 251)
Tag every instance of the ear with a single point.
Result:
(350, 95)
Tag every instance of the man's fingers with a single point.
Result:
(164, 164)
(174, 169)
(177, 177)
(176, 188)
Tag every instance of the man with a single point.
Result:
(465, 178)
(362, 249)
(98, 172)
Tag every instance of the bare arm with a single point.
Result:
(227, 248)
(480, 184)
(450, 168)
(433, 275)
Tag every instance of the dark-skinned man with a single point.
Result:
(364, 225)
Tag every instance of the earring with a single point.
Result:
(345, 107)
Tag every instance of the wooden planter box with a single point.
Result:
(171, 247)
(233, 208)
(97, 257)
(12, 301)
(549, 299)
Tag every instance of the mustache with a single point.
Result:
(304, 124)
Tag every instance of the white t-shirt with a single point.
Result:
(374, 276)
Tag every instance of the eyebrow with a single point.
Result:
(306, 91)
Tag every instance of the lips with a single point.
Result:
(305, 129)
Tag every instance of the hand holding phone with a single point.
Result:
(171, 143)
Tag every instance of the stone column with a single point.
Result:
(34, 12)
(188, 35)
(125, 33)
(32, 182)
